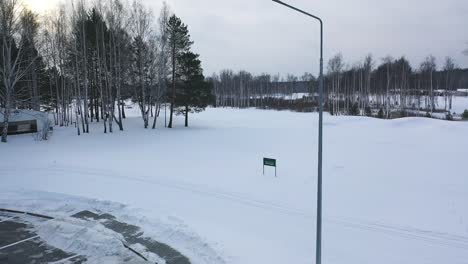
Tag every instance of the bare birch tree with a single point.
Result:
(163, 58)
(12, 57)
(141, 29)
(449, 67)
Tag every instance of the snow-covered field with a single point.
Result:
(460, 104)
(395, 191)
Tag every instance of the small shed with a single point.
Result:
(23, 121)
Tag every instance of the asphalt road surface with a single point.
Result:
(19, 243)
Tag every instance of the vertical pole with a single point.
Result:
(319, 181)
(318, 259)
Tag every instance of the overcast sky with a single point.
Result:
(262, 36)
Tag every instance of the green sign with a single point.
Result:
(269, 162)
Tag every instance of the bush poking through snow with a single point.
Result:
(354, 111)
(465, 115)
(380, 114)
(449, 116)
(330, 108)
(368, 111)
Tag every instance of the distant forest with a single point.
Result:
(391, 87)
(83, 61)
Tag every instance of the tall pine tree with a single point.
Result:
(179, 42)
(194, 93)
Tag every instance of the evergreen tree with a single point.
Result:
(179, 42)
(194, 93)
(29, 87)
(354, 111)
(449, 116)
(368, 111)
(465, 115)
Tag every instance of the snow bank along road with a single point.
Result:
(394, 191)
(95, 237)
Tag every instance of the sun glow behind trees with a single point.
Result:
(40, 6)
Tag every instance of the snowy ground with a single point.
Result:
(395, 191)
(460, 104)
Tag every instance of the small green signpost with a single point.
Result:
(270, 163)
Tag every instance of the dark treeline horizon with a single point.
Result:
(283, 75)
(388, 84)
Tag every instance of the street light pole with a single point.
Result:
(318, 253)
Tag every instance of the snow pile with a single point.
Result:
(85, 238)
(93, 240)
(42, 119)
(26, 115)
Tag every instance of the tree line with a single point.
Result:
(83, 61)
(369, 87)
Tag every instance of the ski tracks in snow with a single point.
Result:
(427, 236)
(432, 237)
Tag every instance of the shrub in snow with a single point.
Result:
(449, 116)
(465, 115)
(380, 114)
(330, 108)
(354, 111)
(368, 111)
(428, 115)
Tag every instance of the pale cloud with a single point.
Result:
(261, 36)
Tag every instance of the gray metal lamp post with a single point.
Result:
(320, 139)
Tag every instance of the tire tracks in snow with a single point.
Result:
(445, 239)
